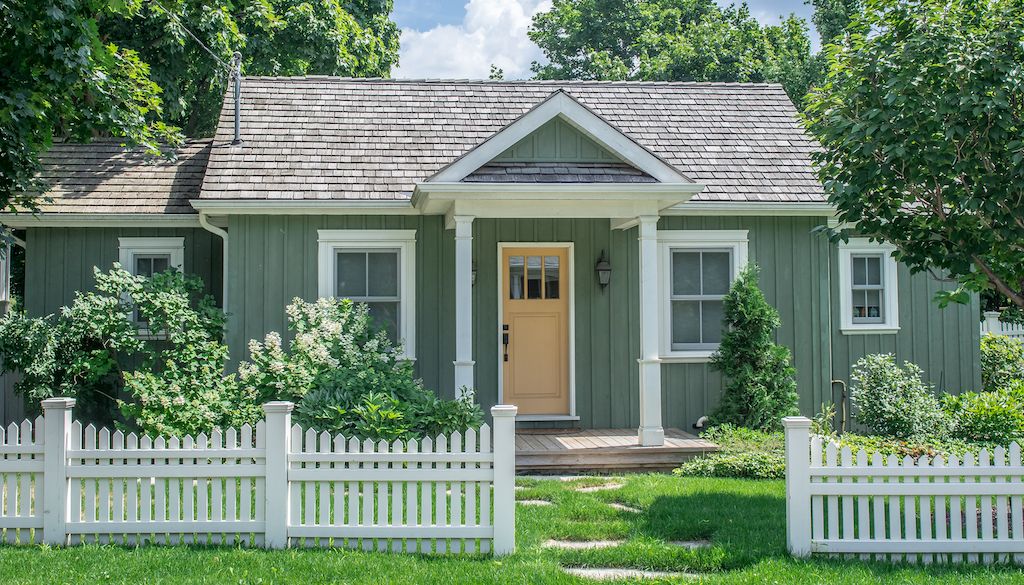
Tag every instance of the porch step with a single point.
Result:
(607, 450)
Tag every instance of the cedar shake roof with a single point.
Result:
(102, 177)
(375, 139)
(560, 172)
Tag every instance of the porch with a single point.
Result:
(573, 450)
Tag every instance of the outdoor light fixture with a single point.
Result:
(603, 268)
(472, 278)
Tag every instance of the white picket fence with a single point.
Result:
(992, 324)
(898, 509)
(273, 485)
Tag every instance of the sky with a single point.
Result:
(460, 39)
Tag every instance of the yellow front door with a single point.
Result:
(535, 329)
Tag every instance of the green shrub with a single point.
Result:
(168, 382)
(895, 402)
(994, 417)
(742, 452)
(1002, 362)
(348, 378)
(760, 388)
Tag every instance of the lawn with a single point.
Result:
(743, 520)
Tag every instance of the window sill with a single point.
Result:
(689, 357)
(870, 330)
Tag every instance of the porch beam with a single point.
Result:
(651, 433)
(464, 382)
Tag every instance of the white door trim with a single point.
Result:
(571, 247)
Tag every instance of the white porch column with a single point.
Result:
(463, 304)
(651, 432)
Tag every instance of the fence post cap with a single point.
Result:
(796, 422)
(60, 402)
(504, 410)
(278, 406)
(991, 314)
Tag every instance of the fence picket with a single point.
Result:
(1016, 516)
(956, 528)
(863, 513)
(909, 511)
(985, 513)
(941, 515)
(817, 502)
(833, 501)
(1002, 530)
(878, 506)
(925, 505)
(433, 495)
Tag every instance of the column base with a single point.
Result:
(464, 383)
(651, 436)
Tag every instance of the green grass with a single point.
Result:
(743, 519)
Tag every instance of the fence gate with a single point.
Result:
(272, 485)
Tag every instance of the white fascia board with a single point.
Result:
(26, 220)
(304, 207)
(780, 208)
(578, 116)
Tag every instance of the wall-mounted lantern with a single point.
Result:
(603, 268)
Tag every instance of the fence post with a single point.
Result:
(991, 322)
(56, 423)
(798, 485)
(504, 416)
(278, 445)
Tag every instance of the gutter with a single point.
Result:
(204, 221)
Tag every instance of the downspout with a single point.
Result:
(204, 221)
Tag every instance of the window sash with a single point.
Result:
(699, 298)
(367, 252)
(880, 288)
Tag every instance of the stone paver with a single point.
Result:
(533, 502)
(690, 544)
(609, 574)
(582, 544)
(599, 488)
(624, 508)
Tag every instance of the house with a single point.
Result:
(562, 246)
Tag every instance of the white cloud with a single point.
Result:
(493, 31)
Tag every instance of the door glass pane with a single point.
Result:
(711, 316)
(716, 267)
(874, 270)
(384, 315)
(686, 273)
(351, 274)
(551, 277)
(533, 277)
(516, 277)
(860, 275)
(685, 322)
(382, 269)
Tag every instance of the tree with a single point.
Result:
(129, 68)
(760, 387)
(922, 128)
(61, 77)
(670, 40)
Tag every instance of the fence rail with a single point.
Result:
(273, 485)
(992, 324)
(890, 508)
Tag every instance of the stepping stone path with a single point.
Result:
(690, 544)
(624, 508)
(607, 574)
(582, 544)
(599, 488)
(533, 502)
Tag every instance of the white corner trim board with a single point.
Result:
(404, 241)
(890, 294)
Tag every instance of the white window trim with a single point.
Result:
(890, 280)
(127, 248)
(669, 240)
(405, 241)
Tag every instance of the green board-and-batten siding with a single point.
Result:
(60, 261)
(556, 141)
(274, 259)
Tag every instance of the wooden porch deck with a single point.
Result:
(574, 450)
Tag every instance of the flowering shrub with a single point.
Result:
(171, 382)
(895, 402)
(347, 377)
(1002, 362)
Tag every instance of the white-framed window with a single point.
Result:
(376, 267)
(697, 267)
(868, 293)
(149, 256)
